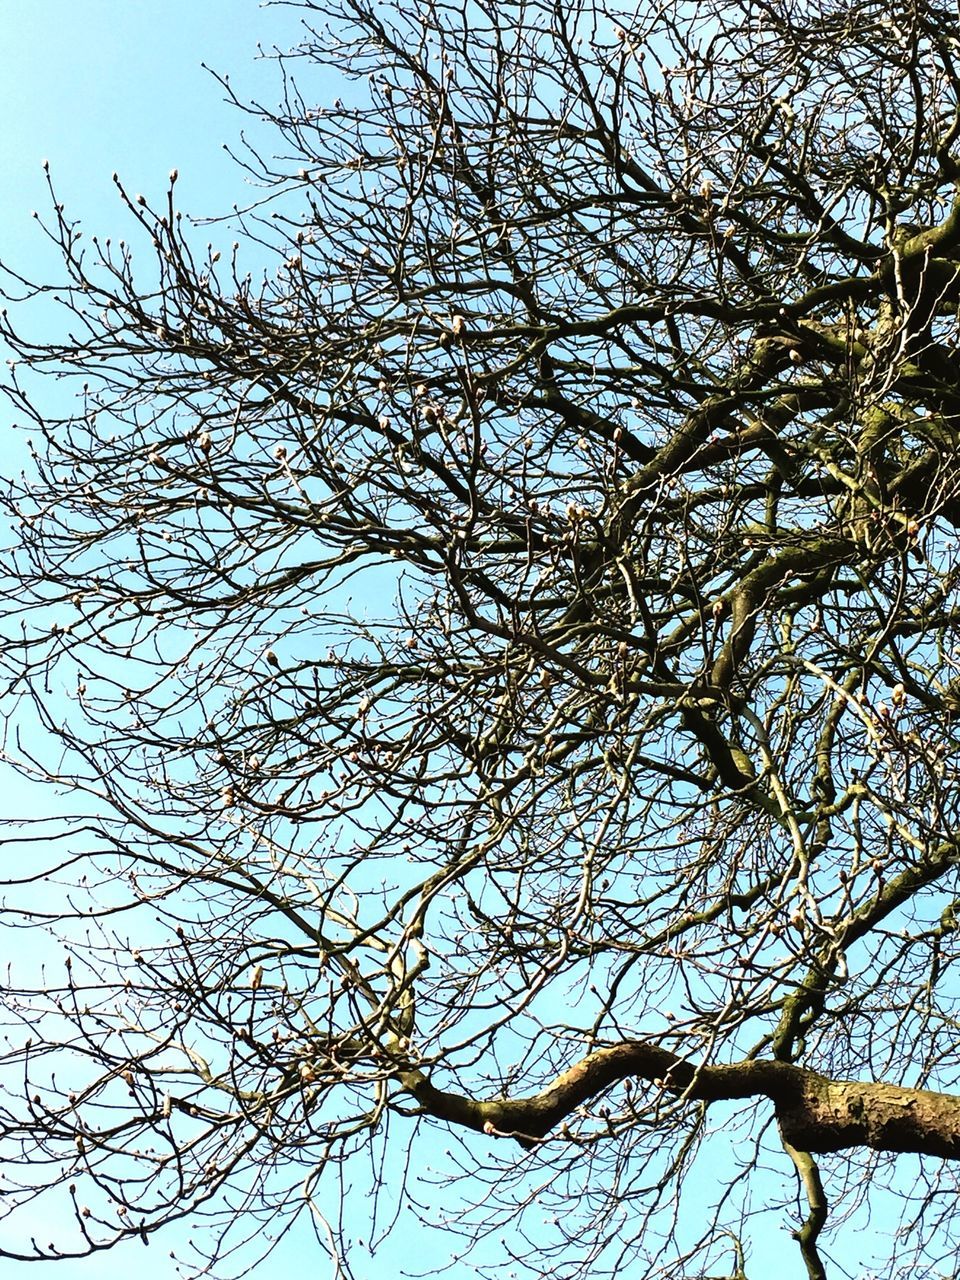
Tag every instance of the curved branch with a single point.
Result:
(815, 1113)
(807, 1235)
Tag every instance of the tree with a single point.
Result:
(508, 604)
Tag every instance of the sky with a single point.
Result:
(119, 85)
(97, 86)
(94, 87)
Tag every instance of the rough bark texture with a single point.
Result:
(814, 1112)
(821, 1115)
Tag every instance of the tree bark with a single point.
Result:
(815, 1113)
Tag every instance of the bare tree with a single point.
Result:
(497, 630)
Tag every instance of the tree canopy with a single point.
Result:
(489, 606)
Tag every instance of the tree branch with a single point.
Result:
(815, 1113)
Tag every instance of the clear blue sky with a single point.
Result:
(108, 85)
(95, 86)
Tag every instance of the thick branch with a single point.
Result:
(815, 1113)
